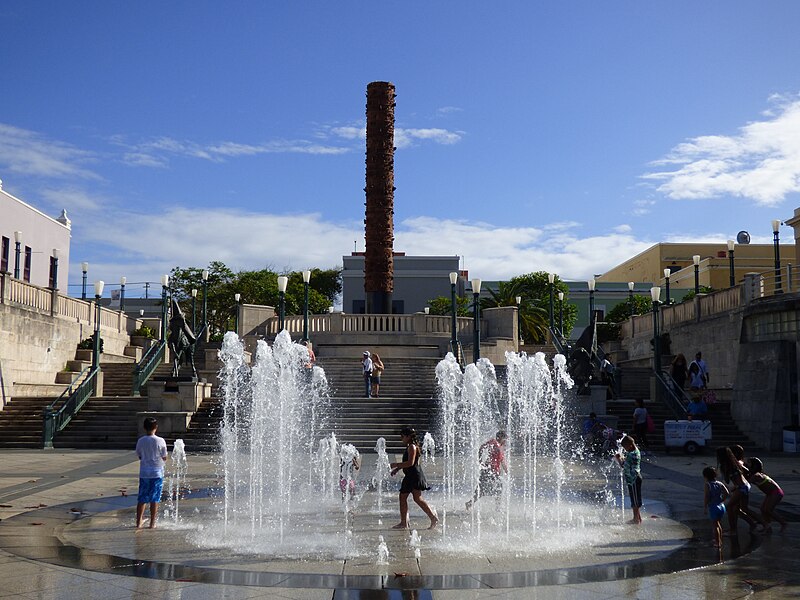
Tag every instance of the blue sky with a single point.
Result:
(561, 136)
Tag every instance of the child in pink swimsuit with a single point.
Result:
(772, 493)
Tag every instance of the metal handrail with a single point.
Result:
(673, 400)
(71, 400)
(561, 344)
(458, 352)
(145, 367)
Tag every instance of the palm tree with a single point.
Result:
(534, 319)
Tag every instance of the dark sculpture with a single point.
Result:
(579, 364)
(181, 341)
(379, 221)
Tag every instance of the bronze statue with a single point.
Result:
(181, 341)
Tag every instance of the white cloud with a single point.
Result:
(73, 199)
(246, 240)
(624, 228)
(404, 137)
(448, 110)
(30, 153)
(761, 162)
(642, 207)
(156, 152)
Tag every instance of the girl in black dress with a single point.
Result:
(414, 482)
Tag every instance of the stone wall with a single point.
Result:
(35, 346)
(763, 391)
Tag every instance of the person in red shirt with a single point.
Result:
(493, 464)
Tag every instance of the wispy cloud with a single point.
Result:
(642, 207)
(157, 152)
(403, 137)
(448, 110)
(73, 199)
(249, 240)
(761, 162)
(30, 153)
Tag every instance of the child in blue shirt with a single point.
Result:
(152, 453)
(714, 502)
(632, 469)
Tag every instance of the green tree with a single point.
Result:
(442, 306)
(704, 289)
(534, 292)
(255, 287)
(610, 330)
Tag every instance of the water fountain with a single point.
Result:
(283, 469)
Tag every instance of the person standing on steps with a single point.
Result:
(366, 368)
(640, 424)
(375, 378)
(414, 482)
(703, 367)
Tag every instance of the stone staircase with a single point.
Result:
(21, 422)
(103, 422)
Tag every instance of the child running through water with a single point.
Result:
(714, 502)
(152, 453)
(735, 473)
(414, 482)
(493, 464)
(632, 469)
(773, 493)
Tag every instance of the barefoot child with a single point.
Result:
(714, 503)
(414, 482)
(772, 493)
(632, 469)
(152, 453)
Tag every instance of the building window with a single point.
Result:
(27, 272)
(51, 282)
(4, 251)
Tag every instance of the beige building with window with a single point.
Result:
(39, 235)
(714, 267)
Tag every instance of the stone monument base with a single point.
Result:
(173, 401)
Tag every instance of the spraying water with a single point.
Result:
(381, 471)
(428, 449)
(177, 479)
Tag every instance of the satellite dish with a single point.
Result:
(742, 237)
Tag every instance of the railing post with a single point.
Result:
(54, 303)
(337, 322)
(4, 287)
(47, 429)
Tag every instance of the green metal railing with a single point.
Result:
(674, 397)
(145, 367)
(58, 415)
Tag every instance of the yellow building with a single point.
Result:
(714, 266)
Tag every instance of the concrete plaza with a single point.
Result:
(50, 491)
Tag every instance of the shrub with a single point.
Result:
(88, 344)
(144, 331)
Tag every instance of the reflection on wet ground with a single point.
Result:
(41, 535)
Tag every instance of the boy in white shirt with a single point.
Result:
(152, 453)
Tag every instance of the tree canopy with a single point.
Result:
(255, 287)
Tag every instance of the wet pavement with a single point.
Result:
(65, 533)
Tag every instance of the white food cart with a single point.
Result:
(689, 435)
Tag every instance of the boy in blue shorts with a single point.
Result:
(152, 453)
(714, 503)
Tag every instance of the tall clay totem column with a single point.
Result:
(379, 221)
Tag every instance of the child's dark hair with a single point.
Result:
(411, 433)
(150, 424)
(710, 474)
(500, 435)
(755, 465)
(738, 452)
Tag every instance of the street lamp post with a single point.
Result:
(453, 320)
(667, 273)
(655, 295)
(731, 273)
(696, 261)
(776, 242)
(631, 306)
(164, 309)
(237, 298)
(519, 319)
(84, 270)
(282, 281)
(476, 339)
(98, 293)
(592, 284)
(551, 277)
(122, 282)
(17, 250)
(204, 276)
(306, 279)
(194, 310)
(55, 268)
(561, 313)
